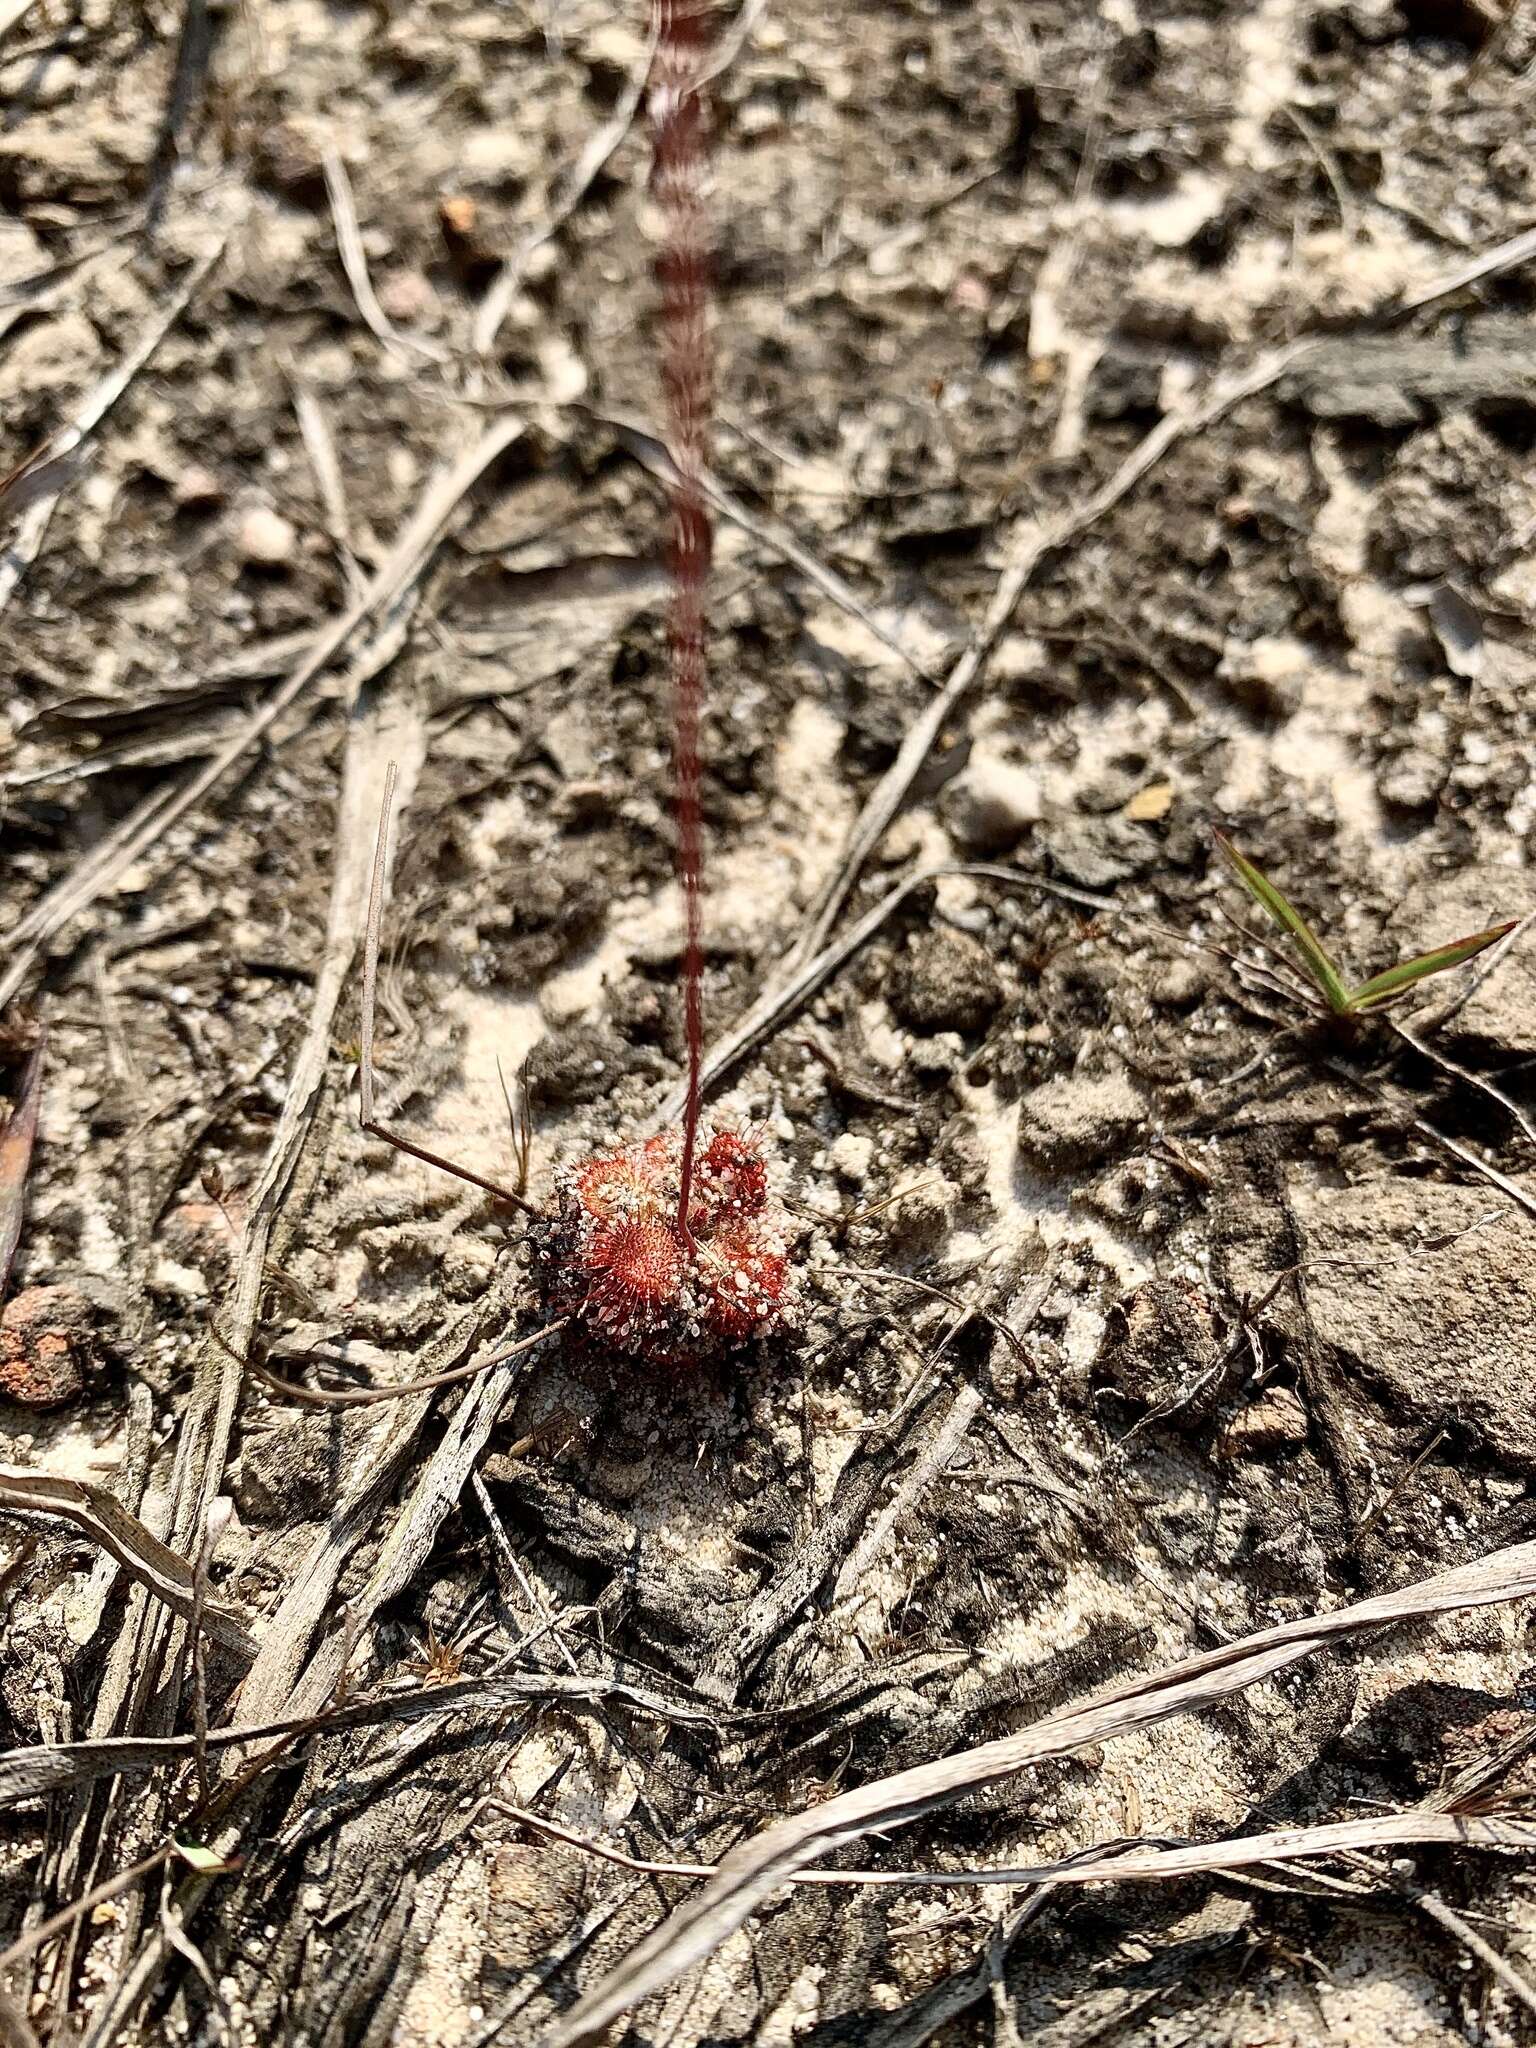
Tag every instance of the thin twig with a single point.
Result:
(354, 262)
(1395, 1489)
(652, 454)
(969, 1308)
(36, 1937)
(1434, 1908)
(367, 1397)
(497, 302)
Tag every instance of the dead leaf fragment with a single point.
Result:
(1459, 628)
(1155, 801)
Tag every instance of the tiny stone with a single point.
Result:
(45, 1333)
(196, 487)
(992, 805)
(266, 539)
(851, 1155)
(1275, 1422)
(407, 297)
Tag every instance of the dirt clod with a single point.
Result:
(1445, 1331)
(1078, 1120)
(1161, 1344)
(945, 981)
(50, 1345)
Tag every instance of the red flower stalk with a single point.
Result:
(660, 1250)
(680, 133)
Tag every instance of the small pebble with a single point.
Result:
(44, 1332)
(266, 539)
(196, 487)
(851, 1156)
(993, 805)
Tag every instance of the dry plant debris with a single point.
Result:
(1120, 424)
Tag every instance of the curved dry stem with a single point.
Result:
(366, 1397)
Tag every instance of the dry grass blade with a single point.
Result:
(287, 1645)
(320, 447)
(354, 262)
(497, 303)
(1110, 1864)
(117, 849)
(16, 1143)
(755, 1870)
(135, 1685)
(143, 1556)
(366, 1082)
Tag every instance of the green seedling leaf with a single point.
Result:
(1385, 988)
(1329, 981)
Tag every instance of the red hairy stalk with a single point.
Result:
(680, 136)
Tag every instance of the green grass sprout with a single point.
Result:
(1368, 997)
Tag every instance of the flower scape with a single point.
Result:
(619, 1261)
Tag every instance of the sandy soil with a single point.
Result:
(1227, 1319)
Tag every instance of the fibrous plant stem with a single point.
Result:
(679, 132)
